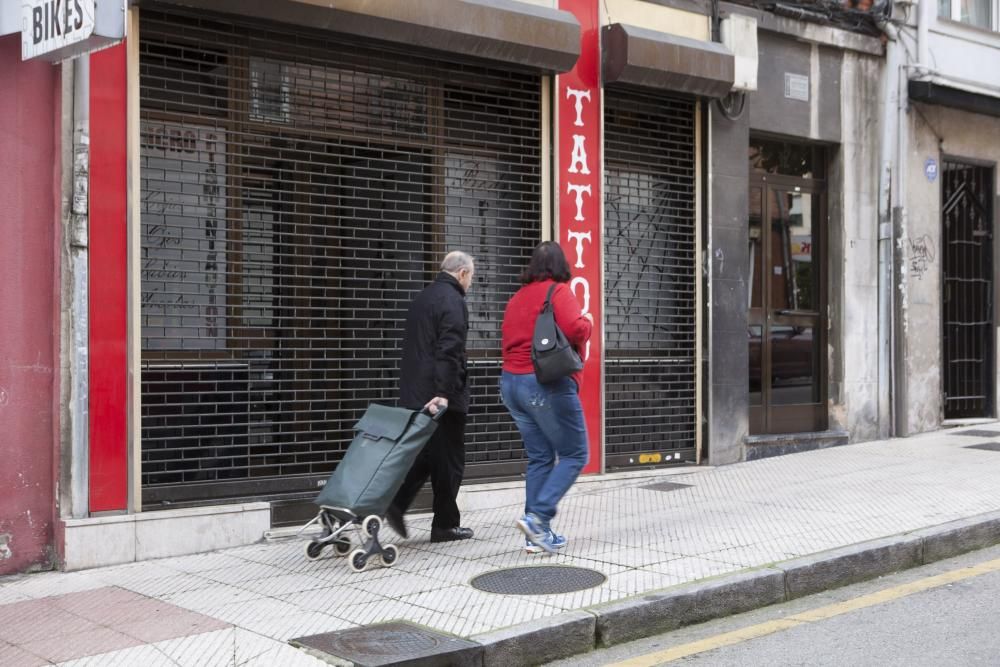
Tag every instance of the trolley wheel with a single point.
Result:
(389, 555)
(314, 550)
(342, 548)
(371, 525)
(358, 560)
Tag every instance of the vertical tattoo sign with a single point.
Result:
(578, 105)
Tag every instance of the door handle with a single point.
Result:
(803, 313)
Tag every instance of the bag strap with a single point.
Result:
(548, 298)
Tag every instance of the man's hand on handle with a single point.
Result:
(436, 404)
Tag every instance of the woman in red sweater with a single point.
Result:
(548, 416)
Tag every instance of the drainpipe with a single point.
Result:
(79, 340)
(899, 218)
(886, 237)
(923, 23)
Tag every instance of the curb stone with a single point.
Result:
(634, 618)
(540, 641)
(959, 537)
(575, 632)
(849, 565)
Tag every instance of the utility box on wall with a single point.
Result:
(739, 34)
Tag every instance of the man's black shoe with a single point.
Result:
(395, 519)
(450, 534)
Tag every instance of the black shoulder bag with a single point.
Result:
(551, 352)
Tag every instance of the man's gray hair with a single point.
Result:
(455, 261)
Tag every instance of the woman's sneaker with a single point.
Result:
(531, 526)
(557, 542)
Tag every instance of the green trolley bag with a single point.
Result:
(386, 443)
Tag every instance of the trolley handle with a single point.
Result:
(437, 417)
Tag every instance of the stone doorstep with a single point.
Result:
(116, 539)
(575, 632)
(765, 446)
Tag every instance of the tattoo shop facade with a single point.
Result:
(279, 179)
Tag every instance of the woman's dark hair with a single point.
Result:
(548, 262)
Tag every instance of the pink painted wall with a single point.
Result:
(29, 168)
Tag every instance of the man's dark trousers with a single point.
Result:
(443, 460)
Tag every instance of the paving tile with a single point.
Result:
(242, 613)
(325, 600)
(231, 648)
(10, 597)
(169, 585)
(254, 649)
(94, 604)
(196, 563)
(126, 612)
(15, 656)
(125, 575)
(24, 611)
(41, 621)
(282, 584)
(398, 584)
(212, 596)
(153, 629)
(498, 611)
(472, 549)
(60, 647)
(46, 584)
(283, 628)
(378, 611)
(245, 571)
(146, 655)
(636, 582)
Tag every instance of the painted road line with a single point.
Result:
(810, 616)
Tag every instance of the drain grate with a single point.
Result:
(666, 486)
(393, 643)
(988, 446)
(539, 580)
(979, 433)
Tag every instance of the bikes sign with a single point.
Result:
(59, 29)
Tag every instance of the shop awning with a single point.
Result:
(504, 31)
(654, 59)
(947, 96)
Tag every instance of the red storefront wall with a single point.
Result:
(29, 373)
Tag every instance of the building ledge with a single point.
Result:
(113, 540)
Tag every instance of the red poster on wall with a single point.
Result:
(578, 110)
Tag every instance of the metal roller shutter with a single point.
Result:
(650, 274)
(297, 190)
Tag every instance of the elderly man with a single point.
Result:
(433, 375)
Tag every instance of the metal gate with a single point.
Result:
(297, 190)
(967, 289)
(650, 276)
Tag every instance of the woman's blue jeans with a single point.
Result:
(550, 419)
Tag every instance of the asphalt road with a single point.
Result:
(944, 614)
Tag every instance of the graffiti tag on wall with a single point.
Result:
(921, 255)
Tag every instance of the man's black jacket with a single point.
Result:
(434, 358)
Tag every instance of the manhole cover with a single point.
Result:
(988, 446)
(979, 433)
(394, 643)
(666, 486)
(539, 580)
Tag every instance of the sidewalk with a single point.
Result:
(241, 606)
